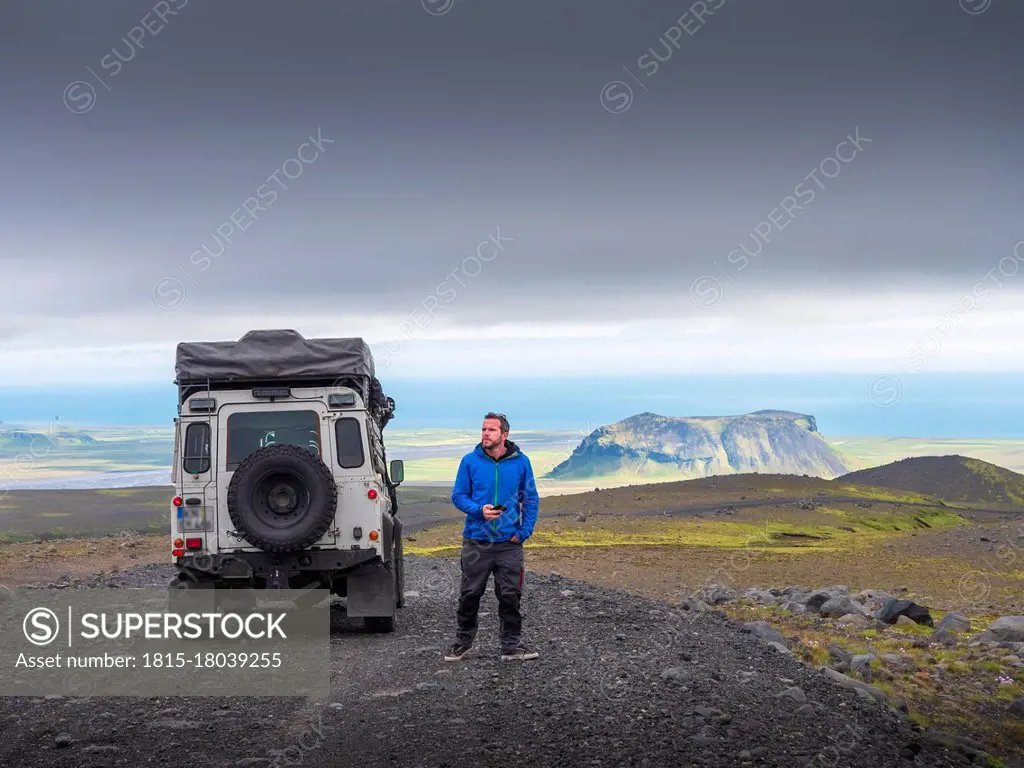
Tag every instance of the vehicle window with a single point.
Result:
(196, 456)
(248, 432)
(350, 443)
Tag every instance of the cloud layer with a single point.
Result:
(809, 185)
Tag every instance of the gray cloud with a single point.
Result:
(446, 127)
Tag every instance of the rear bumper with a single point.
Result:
(245, 566)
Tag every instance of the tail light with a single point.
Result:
(179, 543)
(196, 543)
(176, 501)
(372, 493)
(177, 552)
(374, 535)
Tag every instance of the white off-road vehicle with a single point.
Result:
(280, 472)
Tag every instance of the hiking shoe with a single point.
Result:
(521, 653)
(456, 652)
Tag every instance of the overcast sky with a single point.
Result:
(514, 187)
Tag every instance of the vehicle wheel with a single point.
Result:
(379, 623)
(282, 498)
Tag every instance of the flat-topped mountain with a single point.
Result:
(686, 447)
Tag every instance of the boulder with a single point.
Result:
(840, 606)
(765, 631)
(694, 604)
(954, 622)
(815, 600)
(857, 619)
(860, 665)
(849, 682)
(872, 594)
(894, 608)
(872, 599)
(1007, 629)
(942, 637)
(715, 594)
(761, 596)
(905, 621)
(839, 654)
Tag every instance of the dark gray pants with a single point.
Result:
(479, 560)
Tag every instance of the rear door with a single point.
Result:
(245, 428)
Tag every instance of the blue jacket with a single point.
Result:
(509, 481)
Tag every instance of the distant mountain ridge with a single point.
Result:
(952, 478)
(688, 447)
(26, 439)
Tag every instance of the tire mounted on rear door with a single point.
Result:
(282, 498)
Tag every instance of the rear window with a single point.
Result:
(248, 432)
(196, 457)
(350, 443)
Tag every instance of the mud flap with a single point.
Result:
(372, 593)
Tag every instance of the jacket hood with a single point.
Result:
(511, 451)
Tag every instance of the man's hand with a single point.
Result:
(490, 513)
(515, 539)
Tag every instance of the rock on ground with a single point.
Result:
(953, 622)
(1006, 629)
(841, 606)
(765, 631)
(894, 608)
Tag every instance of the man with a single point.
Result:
(496, 490)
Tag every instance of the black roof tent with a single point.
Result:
(277, 357)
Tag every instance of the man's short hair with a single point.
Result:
(500, 417)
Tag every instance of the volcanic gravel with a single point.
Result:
(621, 681)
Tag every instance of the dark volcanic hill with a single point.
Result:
(683, 448)
(952, 478)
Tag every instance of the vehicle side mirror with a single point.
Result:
(397, 471)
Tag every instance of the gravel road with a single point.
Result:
(621, 681)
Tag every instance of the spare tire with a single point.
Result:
(282, 498)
